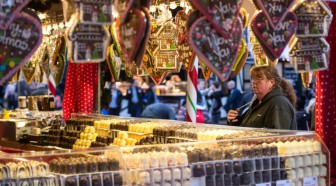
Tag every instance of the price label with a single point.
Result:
(310, 181)
(264, 184)
(284, 183)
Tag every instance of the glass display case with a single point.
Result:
(164, 152)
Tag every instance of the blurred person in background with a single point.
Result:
(116, 98)
(234, 98)
(10, 96)
(134, 96)
(215, 94)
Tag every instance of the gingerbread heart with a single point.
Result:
(313, 19)
(123, 7)
(216, 51)
(114, 62)
(18, 43)
(130, 33)
(186, 55)
(143, 44)
(206, 71)
(155, 74)
(275, 10)
(9, 10)
(222, 14)
(44, 63)
(181, 23)
(274, 40)
(28, 71)
(241, 59)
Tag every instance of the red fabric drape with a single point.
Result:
(80, 88)
(325, 121)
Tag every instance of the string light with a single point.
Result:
(152, 9)
(172, 5)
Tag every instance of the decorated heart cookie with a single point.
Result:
(274, 40)
(88, 42)
(44, 61)
(275, 10)
(123, 7)
(114, 62)
(192, 17)
(28, 71)
(206, 71)
(186, 55)
(130, 69)
(241, 58)
(95, 12)
(18, 43)
(181, 23)
(312, 17)
(9, 9)
(222, 14)
(309, 54)
(216, 51)
(131, 33)
(57, 68)
(155, 74)
(143, 43)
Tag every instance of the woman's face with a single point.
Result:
(201, 85)
(261, 85)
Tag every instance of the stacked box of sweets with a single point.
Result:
(26, 173)
(86, 171)
(69, 138)
(54, 136)
(258, 163)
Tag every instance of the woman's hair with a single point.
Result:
(288, 89)
(271, 72)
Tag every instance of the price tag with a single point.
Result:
(310, 181)
(284, 183)
(264, 184)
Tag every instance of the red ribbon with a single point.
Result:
(80, 88)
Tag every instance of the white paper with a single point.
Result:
(310, 181)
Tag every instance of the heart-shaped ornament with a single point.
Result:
(275, 10)
(217, 52)
(44, 63)
(8, 11)
(181, 23)
(18, 43)
(153, 42)
(57, 69)
(186, 55)
(206, 71)
(222, 14)
(155, 74)
(114, 62)
(274, 41)
(131, 33)
(241, 59)
(123, 7)
(143, 44)
(28, 71)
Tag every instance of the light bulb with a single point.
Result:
(182, 4)
(162, 7)
(172, 5)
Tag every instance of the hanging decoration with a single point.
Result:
(273, 41)
(44, 61)
(95, 12)
(309, 49)
(88, 42)
(155, 74)
(57, 64)
(186, 54)
(205, 70)
(222, 15)
(28, 71)
(260, 58)
(114, 56)
(18, 42)
(217, 52)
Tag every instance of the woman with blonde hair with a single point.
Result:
(274, 103)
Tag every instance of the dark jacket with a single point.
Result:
(274, 112)
(119, 98)
(233, 100)
(129, 97)
(216, 98)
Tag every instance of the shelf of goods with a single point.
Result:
(136, 151)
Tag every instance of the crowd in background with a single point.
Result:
(140, 95)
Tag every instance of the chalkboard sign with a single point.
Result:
(290, 74)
